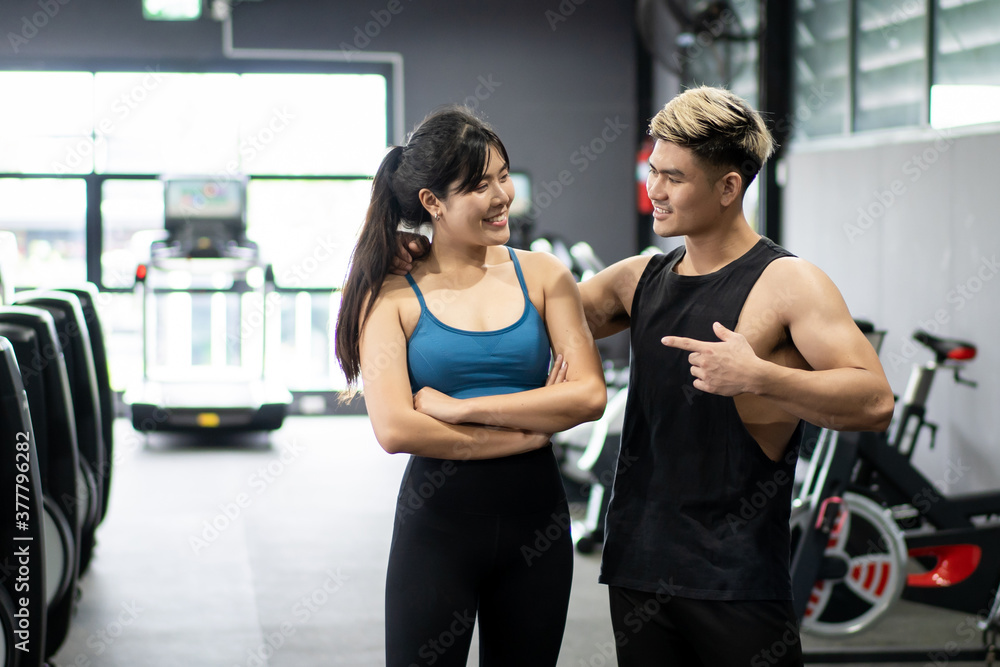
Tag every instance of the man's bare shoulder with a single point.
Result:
(794, 266)
(794, 275)
(793, 286)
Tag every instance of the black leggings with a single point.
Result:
(446, 567)
(653, 629)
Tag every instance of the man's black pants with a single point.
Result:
(654, 629)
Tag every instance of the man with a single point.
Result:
(734, 342)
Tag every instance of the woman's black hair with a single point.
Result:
(447, 153)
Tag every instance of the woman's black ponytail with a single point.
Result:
(370, 264)
(447, 153)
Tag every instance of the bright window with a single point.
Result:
(48, 217)
(822, 67)
(952, 106)
(966, 76)
(154, 122)
(220, 124)
(326, 216)
(307, 143)
(132, 212)
(171, 10)
(49, 129)
(891, 64)
(877, 64)
(312, 124)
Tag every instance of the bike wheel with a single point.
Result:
(868, 548)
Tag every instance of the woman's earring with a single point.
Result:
(437, 216)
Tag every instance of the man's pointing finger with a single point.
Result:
(681, 343)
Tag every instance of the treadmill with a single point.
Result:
(206, 297)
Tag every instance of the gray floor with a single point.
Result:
(245, 555)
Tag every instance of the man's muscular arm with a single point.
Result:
(607, 297)
(846, 388)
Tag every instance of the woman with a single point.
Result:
(454, 358)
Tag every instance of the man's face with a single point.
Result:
(685, 198)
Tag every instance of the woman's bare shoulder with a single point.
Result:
(543, 264)
(395, 290)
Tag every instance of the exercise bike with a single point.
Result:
(868, 529)
(588, 452)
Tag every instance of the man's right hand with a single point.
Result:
(411, 248)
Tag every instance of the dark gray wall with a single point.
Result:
(561, 77)
(907, 226)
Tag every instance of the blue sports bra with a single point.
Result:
(464, 364)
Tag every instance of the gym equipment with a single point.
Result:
(866, 518)
(703, 42)
(77, 347)
(87, 295)
(8, 257)
(521, 213)
(584, 258)
(22, 546)
(33, 335)
(555, 246)
(598, 443)
(589, 451)
(205, 299)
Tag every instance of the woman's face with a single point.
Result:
(480, 216)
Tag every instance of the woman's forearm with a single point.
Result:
(422, 435)
(548, 409)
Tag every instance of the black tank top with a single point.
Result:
(698, 510)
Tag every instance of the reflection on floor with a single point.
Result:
(245, 554)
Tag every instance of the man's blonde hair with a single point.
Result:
(720, 128)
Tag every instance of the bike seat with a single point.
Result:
(946, 349)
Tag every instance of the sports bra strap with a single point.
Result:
(420, 296)
(517, 269)
(520, 276)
